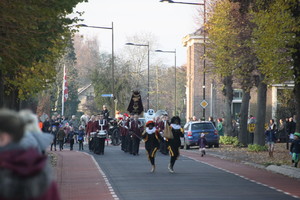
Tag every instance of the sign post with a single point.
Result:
(107, 95)
(203, 104)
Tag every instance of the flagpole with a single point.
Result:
(63, 91)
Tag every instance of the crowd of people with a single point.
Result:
(21, 137)
(284, 132)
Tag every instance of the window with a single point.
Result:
(237, 94)
(202, 126)
(186, 126)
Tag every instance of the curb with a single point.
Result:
(283, 169)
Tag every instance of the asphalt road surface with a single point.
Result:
(131, 179)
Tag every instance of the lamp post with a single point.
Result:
(175, 80)
(112, 55)
(144, 45)
(204, 39)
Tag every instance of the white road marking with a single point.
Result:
(111, 190)
(243, 177)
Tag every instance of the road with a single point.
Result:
(131, 179)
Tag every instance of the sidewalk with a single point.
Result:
(79, 177)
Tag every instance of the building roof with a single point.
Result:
(81, 90)
(196, 37)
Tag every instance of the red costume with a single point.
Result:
(89, 128)
(97, 126)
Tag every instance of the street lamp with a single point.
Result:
(112, 54)
(204, 39)
(180, 2)
(161, 51)
(144, 45)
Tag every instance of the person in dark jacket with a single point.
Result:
(287, 129)
(152, 138)
(47, 125)
(105, 112)
(211, 119)
(61, 138)
(24, 172)
(161, 126)
(202, 144)
(175, 143)
(54, 134)
(71, 138)
(282, 136)
(135, 129)
(271, 137)
(295, 149)
(291, 128)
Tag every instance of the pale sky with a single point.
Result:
(169, 23)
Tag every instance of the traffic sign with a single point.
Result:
(203, 104)
(107, 95)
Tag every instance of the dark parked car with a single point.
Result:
(193, 130)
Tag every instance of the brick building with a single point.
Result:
(213, 88)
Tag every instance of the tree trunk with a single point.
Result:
(11, 100)
(243, 134)
(297, 97)
(296, 58)
(259, 136)
(228, 92)
(1, 90)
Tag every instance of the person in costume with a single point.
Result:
(174, 143)
(161, 126)
(124, 131)
(128, 137)
(88, 130)
(135, 104)
(152, 138)
(100, 125)
(135, 129)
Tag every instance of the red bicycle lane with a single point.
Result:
(281, 183)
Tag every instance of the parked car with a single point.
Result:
(193, 130)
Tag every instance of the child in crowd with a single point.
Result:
(295, 149)
(202, 143)
(80, 137)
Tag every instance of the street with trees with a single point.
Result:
(260, 36)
